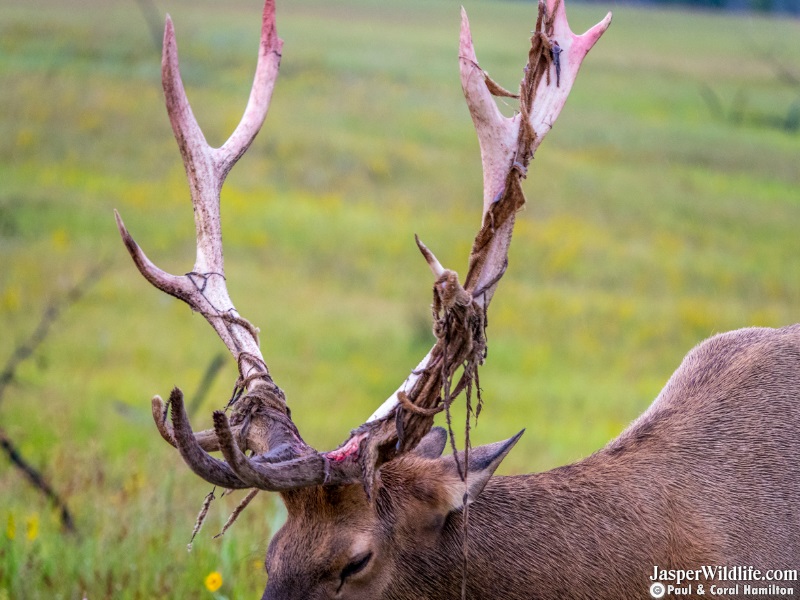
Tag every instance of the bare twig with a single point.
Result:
(212, 370)
(37, 480)
(738, 112)
(712, 100)
(18, 356)
(237, 511)
(49, 317)
(201, 517)
(153, 20)
(783, 72)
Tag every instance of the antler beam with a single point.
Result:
(204, 288)
(507, 147)
(261, 426)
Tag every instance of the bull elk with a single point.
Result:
(708, 476)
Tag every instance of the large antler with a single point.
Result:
(261, 420)
(507, 147)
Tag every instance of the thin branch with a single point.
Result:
(212, 370)
(37, 480)
(237, 511)
(49, 317)
(784, 73)
(18, 356)
(201, 517)
(153, 20)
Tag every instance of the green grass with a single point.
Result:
(651, 225)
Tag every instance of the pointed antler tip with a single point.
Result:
(422, 247)
(169, 27)
(603, 25)
(159, 412)
(596, 32)
(268, 20)
(123, 231)
(168, 47)
(465, 31)
(436, 267)
(466, 50)
(223, 430)
(176, 397)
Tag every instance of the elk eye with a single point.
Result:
(356, 565)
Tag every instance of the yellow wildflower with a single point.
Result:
(11, 527)
(32, 527)
(60, 239)
(11, 300)
(213, 581)
(133, 483)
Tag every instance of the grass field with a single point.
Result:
(652, 223)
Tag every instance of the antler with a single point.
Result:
(261, 420)
(507, 147)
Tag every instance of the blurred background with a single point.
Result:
(663, 207)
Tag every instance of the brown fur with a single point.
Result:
(708, 475)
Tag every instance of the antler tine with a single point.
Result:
(280, 469)
(207, 439)
(571, 50)
(269, 59)
(497, 135)
(209, 468)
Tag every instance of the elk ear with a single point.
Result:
(483, 461)
(432, 445)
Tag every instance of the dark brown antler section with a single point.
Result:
(260, 420)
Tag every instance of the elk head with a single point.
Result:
(385, 494)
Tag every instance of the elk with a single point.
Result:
(709, 475)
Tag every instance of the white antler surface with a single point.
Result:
(204, 288)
